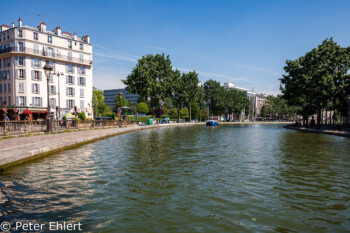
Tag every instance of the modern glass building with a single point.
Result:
(111, 94)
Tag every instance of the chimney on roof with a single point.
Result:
(13, 24)
(75, 36)
(86, 38)
(42, 27)
(58, 31)
(19, 22)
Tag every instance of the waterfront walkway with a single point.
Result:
(329, 132)
(21, 149)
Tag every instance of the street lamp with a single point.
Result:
(120, 108)
(58, 74)
(47, 68)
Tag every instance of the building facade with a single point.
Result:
(111, 94)
(257, 100)
(24, 51)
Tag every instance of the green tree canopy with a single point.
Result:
(142, 107)
(151, 78)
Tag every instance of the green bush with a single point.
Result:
(82, 116)
(64, 118)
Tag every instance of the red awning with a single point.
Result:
(27, 112)
(39, 112)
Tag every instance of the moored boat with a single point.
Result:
(212, 122)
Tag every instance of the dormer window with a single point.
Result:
(70, 44)
(49, 39)
(20, 33)
(81, 46)
(35, 35)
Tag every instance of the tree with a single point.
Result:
(201, 101)
(82, 116)
(190, 82)
(142, 107)
(100, 108)
(120, 101)
(215, 96)
(178, 91)
(316, 79)
(195, 110)
(184, 113)
(151, 78)
(263, 111)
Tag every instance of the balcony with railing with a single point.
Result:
(48, 54)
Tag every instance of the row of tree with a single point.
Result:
(318, 81)
(155, 80)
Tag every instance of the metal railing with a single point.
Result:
(44, 53)
(11, 128)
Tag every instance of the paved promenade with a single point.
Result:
(20, 149)
(329, 132)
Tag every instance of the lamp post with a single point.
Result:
(47, 68)
(58, 74)
(4, 109)
(120, 108)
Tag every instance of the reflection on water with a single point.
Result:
(190, 179)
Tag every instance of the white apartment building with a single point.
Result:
(24, 51)
(257, 100)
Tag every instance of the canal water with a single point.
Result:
(231, 178)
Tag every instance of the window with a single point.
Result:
(81, 46)
(82, 81)
(37, 101)
(50, 52)
(21, 46)
(35, 88)
(21, 101)
(21, 73)
(81, 70)
(69, 56)
(70, 91)
(70, 79)
(19, 33)
(81, 105)
(0, 88)
(21, 61)
(36, 48)
(21, 87)
(5, 88)
(70, 44)
(36, 63)
(52, 103)
(49, 39)
(35, 35)
(9, 101)
(36, 75)
(81, 92)
(70, 103)
(8, 87)
(69, 69)
(81, 56)
(52, 90)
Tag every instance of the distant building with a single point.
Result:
(257, 100)
(111, 94)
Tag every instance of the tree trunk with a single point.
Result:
(190, 108)
(200, 115)
(178, 114)
(319, 117)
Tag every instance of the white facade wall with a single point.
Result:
(67, 54)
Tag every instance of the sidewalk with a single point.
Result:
(18, 150)
(329, 132)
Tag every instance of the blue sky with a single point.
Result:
(245, 42)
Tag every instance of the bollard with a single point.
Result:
(25, 127)
(5, 128)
